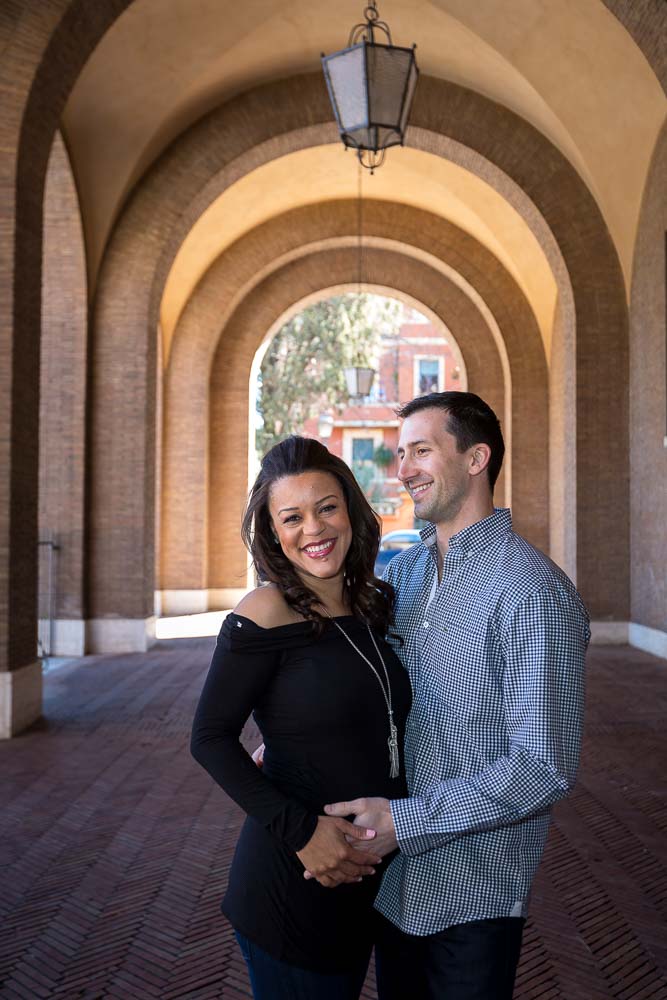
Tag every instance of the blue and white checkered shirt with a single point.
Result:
(495, 653)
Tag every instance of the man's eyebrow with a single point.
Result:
(413, 444)
(317, 503)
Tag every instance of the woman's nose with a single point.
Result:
(312, 524)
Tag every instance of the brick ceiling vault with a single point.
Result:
(273, 121)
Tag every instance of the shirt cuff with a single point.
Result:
(300, 829)
(408, 817)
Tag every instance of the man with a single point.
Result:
(494, 637)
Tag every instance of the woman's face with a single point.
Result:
(310, 518)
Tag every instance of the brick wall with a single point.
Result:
(63, 384)
(648, 403)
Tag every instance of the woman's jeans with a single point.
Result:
(272, 979)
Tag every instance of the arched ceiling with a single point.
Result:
(569, 68)
(324, 173)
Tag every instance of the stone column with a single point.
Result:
(62, 412)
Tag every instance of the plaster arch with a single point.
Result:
(535, 57)
(243, 335)
(646, 22)
(411, 177)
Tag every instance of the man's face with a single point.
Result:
(432, 470)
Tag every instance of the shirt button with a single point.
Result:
(426, 624)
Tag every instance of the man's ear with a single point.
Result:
(480, 456)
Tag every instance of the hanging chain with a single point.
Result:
(360, 222)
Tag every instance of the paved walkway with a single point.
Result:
(115, 846)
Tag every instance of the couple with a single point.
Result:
(440, 710)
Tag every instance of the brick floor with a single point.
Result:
(115, 846)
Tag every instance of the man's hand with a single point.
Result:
(374, 813)
(330, 859)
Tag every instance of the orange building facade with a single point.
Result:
(419, 359)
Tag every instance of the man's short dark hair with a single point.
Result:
(470, 420)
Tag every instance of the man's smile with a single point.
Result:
(417, 490)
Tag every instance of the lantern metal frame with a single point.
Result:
(379, 135)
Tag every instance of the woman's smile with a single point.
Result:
(320, 550)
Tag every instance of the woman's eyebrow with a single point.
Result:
(317, 502)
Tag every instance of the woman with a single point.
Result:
(306, 653)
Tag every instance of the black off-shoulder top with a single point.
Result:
(324, 723)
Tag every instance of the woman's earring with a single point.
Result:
(275, 538)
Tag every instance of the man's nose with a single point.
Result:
(404, 470)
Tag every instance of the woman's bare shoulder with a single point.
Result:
(266, 607)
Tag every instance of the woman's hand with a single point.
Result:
(258, 755)
(330, 859)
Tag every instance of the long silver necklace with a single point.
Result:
(392, 742)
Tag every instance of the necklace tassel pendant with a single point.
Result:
(393, 750)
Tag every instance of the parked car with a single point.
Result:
(393, 543)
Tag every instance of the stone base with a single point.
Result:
(226, 598)
(651, 640)
(20, 698)
(68, 636)
(196, 602)
(183, 602)
(609, 633)
(120, 635)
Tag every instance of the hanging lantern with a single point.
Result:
(371, 86)
(359, 381)
(325, 423)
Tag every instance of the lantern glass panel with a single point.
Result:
(388, 70)
(351, 381)
(365, 380)
(359, 381)
(347, 84)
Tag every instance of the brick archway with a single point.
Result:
(240, 279)
(184, 182)
(41, 62)
(230, 372)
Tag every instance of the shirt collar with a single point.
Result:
(476, 536)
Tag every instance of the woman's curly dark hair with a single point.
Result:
(370, 599)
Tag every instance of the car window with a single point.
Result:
(399, 542)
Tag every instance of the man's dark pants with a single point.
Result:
(472, 961)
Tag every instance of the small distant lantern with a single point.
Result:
(325, 424)
(371, 86)
(359, 381)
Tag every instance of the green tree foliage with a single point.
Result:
(302, 371)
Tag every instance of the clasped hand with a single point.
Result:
(330, 857)
(347, 851)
